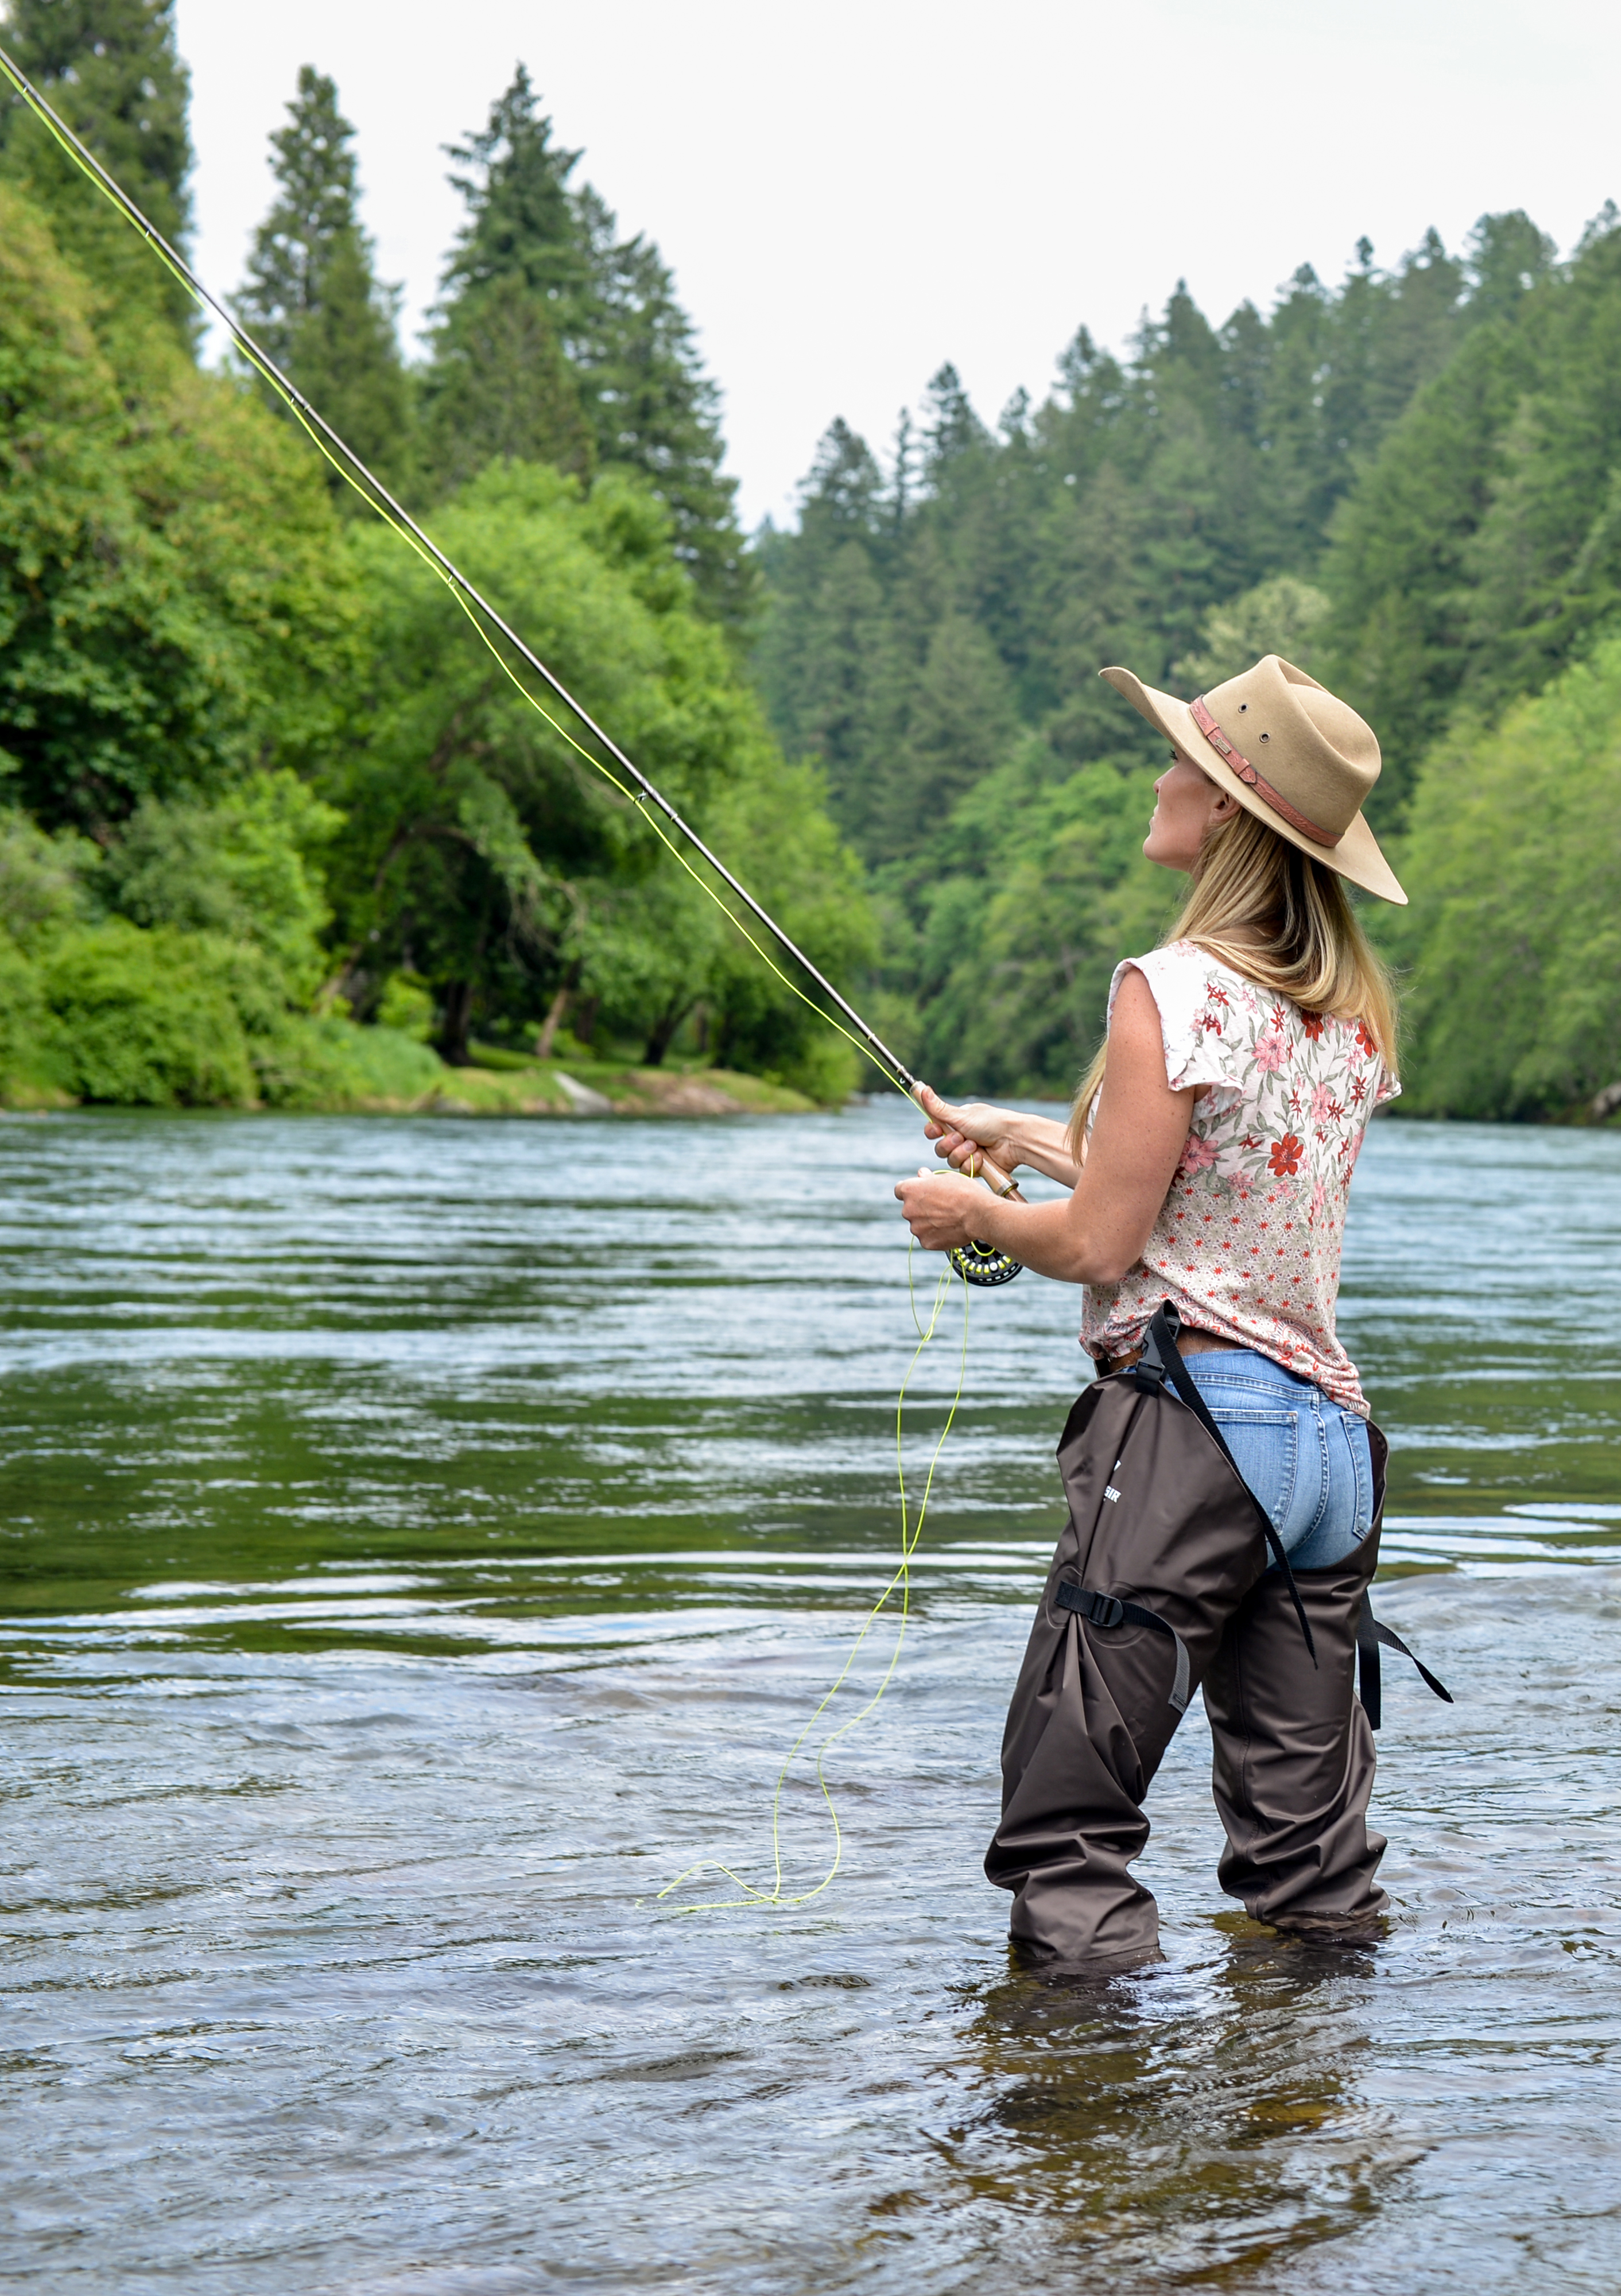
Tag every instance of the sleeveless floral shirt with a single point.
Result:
(1248, 1240)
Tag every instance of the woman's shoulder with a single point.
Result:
(1182, 972)
(1206, 1011)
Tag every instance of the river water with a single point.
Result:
(425, 1539)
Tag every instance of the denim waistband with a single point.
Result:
(1246, 1365)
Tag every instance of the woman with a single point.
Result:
(1208, 1159)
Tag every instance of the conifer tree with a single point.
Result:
(311, 296)
(502, 383)
(111, 70)
(560, 342)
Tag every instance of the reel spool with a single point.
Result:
(982, 1263)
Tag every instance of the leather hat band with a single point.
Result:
(1258, 781)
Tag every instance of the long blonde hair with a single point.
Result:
(1249, 882)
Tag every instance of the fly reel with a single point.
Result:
(982, 1263)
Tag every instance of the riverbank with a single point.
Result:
(382, 1072)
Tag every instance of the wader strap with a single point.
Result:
(1370, 1632)
(1111, 1610)
(1161, 1360)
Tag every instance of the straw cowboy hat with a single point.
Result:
(1289, 752)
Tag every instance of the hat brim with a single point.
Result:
(1356, 855)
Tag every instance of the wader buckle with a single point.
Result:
(1100, 1610)
(1097, 1610)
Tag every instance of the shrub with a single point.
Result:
(147, 1019)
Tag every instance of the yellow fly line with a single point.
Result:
(911, 1532)
(355, 474)
(480, 613)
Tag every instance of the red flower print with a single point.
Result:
(1364, 1042)
(1359, 1090)
(1285, 1157)
(1322, 1100)
(1215, 994)
(1311, 1022)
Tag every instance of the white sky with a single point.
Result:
(849, 194)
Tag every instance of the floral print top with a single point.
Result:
(1248, 1240)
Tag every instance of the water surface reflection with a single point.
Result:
(416, 1557)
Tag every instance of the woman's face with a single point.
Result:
(1187, 805)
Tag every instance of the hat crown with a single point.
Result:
(1311, 747)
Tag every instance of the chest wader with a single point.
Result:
(1160, 1584)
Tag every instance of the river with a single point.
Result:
(424, 1540)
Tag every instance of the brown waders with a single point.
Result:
(1159, 1586)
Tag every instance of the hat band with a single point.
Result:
(1255, 780)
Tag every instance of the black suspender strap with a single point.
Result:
(1111, 1610)
(1161, 1360)
(1370, 1634)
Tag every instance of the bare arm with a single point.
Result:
(1005, 1135)
(1098, 1232)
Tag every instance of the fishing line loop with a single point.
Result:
(912, 1531)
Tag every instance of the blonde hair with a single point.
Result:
(1281, 919)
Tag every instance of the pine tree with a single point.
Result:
(311, 296)
(110, 68)
(559, 341)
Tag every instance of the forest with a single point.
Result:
(276, 831)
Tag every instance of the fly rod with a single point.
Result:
(978, 1263)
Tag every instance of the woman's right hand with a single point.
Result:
(974, 1129)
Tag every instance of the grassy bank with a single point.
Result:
(334, 1067)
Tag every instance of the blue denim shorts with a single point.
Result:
(1306, 1459)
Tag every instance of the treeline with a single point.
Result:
(276, 827)
(273, 818)
(1409, 483)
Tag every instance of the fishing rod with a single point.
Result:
(977, 1263)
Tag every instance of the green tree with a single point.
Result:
(172, 602)
(1480, 550)
(1512, 940)
(557, 341)
(480, 853)
(111, 70)
(312, 297)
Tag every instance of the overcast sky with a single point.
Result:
(850, 194)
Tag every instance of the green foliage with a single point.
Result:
(146, 1019)
(502, 389)
(1041, 889)
(172, 596)
(484, 855)
(192, 645)
(242, 867)
(559, 341)
(922, 620)
(1482, 551)
(1513, 938)
(773, 829)
(934, 627)
(1281, 616)
(312, 300)
(42, 879)
(111, 68)
(406, 1005)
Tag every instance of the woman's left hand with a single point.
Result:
(941, 1209)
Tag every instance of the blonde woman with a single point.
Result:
(1208, 1159)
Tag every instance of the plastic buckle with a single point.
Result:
(1098, 1610)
